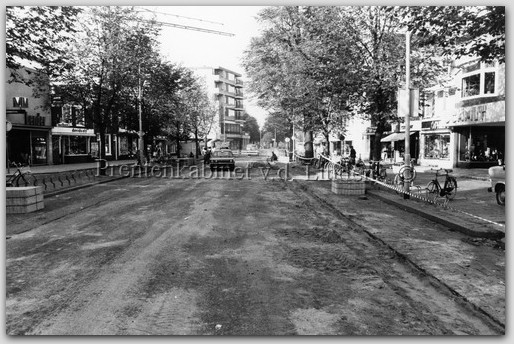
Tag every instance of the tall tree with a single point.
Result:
(251, 127)
(199, 110)
(300, 68)
(106, 57)
(376, 37)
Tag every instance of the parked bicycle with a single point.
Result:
(373, 170)
(18, 175)
(448, 190)
(378, 171)
(405, 174)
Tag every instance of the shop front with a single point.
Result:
(480, 135)
(72, 145)
(29, 140)
(436, 145)
(126, 144)
(393, 146)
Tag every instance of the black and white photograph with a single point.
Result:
(266, 170)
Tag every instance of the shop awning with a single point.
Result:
(393, 137)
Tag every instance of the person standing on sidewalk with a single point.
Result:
(353, 155)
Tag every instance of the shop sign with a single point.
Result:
(20, 102)
(78, 130)
(472, 114)
(431, 125)
(414, 126)
(35, 120)
(484, 113)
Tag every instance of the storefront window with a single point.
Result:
(124, 148)
(39, 146)
(76, 145)
(486, 144)
(437, 146)
(463, 147)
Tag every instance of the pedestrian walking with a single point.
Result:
(207, 156)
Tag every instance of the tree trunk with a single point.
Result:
(308, 144)
(102, 167)
(197, 150)
(327, 138)
(177, 139)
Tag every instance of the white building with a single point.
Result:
(226, 88)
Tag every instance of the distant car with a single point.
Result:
(252, 149)
(222, 159)
(497, 178)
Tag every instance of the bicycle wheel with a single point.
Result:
(328, 168)
(398, 183)
(408, 173)
(383, 174)
(500, 195)
(432, 191)
(451, 188)
(338, 170)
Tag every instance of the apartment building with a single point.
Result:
(226, 88)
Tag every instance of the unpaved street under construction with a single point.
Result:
(156, 256)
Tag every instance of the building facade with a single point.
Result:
(28, 115)
(461, 123)
(226, 88)
(464, 122)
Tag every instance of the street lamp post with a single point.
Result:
(406, 185)
(140, 98)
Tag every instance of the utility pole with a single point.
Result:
(406, 156)
(141, 133)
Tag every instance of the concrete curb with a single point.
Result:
(455, 223)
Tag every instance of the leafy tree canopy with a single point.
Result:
(461, 30)
(38, 34)
(251, 127)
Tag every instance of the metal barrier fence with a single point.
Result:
(55, 181)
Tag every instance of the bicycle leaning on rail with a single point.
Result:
(376, 170)
(405, 174)
(17, 176)
(448, 190)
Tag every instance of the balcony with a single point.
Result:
(222, 78)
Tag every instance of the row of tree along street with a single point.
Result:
(106, 60)
(316, 67)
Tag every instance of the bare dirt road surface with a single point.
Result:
(221, 257)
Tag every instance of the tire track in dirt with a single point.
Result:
(398, 273)
(99, 306)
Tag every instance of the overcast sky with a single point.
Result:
(195, 49)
